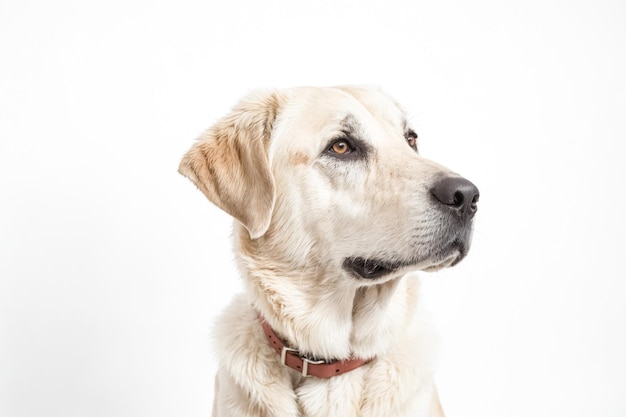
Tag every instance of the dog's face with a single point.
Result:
(332, 178)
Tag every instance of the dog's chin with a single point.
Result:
(376, 269)
(451, 260)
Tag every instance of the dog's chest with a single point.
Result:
(355, 394)
(337, 396)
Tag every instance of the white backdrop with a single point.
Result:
(113, 266)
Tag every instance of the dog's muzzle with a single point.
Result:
(457, 200)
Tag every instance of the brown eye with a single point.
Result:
(412, 142)
(341, 147)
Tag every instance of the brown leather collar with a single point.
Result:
(308, 367)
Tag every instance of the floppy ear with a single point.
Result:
(229, 162)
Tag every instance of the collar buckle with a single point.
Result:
(305, 365)
(305, 361)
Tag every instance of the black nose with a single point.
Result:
(457, 193)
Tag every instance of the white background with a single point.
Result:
(113, 266)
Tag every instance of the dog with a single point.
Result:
(334, 211)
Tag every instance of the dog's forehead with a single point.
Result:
(322, 112)
(377, 102)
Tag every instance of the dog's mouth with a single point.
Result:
(370, 268)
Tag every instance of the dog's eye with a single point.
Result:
(411, 138)
(341, 147)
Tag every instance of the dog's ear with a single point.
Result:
(229, 162)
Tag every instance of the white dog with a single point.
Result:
(334, 208)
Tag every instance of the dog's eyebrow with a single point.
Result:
(350, 125)
(405, 125)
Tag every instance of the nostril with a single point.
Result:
(474, 204)
(458, 199)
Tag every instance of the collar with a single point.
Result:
(308, 367)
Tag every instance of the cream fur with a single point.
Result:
(300, 213)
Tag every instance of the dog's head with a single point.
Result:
(332, 178)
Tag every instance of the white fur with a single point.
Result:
(324, 210)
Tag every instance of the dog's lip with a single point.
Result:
(371, 268)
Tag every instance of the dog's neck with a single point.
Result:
(325, 314)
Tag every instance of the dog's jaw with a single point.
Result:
(330, 315)
(373, 269)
